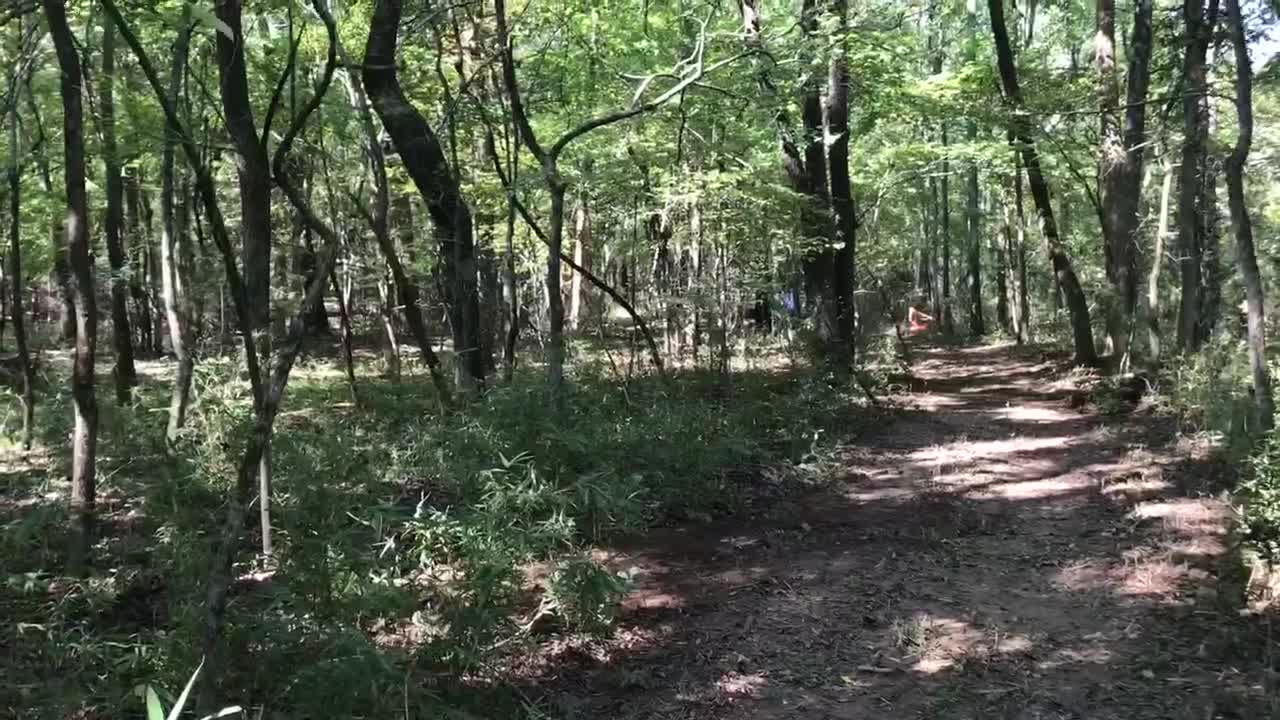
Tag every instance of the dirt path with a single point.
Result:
(988, 553)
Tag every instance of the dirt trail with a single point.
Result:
(989, 552)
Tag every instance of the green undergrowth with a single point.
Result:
(1210, 392)
(414, 549)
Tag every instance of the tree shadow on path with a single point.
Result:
(989, 553)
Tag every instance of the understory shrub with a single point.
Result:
(405, 539)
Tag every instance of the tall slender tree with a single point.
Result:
(844, 239)
(126, 376)
(252, 166)
(1246, 254)
(973, 209)
(1081, 326)
(16, 286)
(84, 442)
(1120, 164)
(425, 161)
(1193, 174)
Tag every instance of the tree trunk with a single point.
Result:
(844, 239)
(1024, 291)
(944, 226)
(391, 339)
(1246, 256)
(136, 256)
(973, 212)
(1120, 166)
(512, 294)
(84, 443)
(1081, 328)
(425, 162)
(555, 304)
(973, 217)
(15, 270)
(252, 166)
(1154, 346)
(61, 276)
(581, 256)
(819, 258)
(406, 289)
(173, 283)
(1006, 282)
(126, 376)
(1192, 174)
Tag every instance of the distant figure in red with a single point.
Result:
(917, 322)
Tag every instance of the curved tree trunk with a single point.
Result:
(425, 162)
(1246, 256)
(1081, 328)
(252, 166)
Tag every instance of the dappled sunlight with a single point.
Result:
(968, 451)
(738, 685)
(1035, 489)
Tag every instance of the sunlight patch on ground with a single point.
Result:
(1076, 656)
(940, 643)
(1035, 489)
(1034, 414)
(737, 685)
(967, 451)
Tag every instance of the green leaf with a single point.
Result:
(155, 711)
(206, 17)
(224, 712)
(176, 710)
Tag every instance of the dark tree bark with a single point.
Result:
(84, 443)
(844, 239)
(973, 211)
(1020, 244)
(1081, 328)
(1194, 170)
(819, 259)
(973, 222)
(425, 162)
(1120, 165)
(1246, 256)
(944, 237)
(137, 259)
(61, 265)
(15, 270)
(126, 376)
(946, 316)
(252, 165)
(406, 289)
(268, 393)
(1006, 283)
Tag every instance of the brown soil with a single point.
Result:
(990, 552)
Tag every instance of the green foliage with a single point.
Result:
(1260, 494)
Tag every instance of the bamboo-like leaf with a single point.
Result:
(176, 710)
(155, 711)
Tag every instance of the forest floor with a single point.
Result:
(985, 550)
